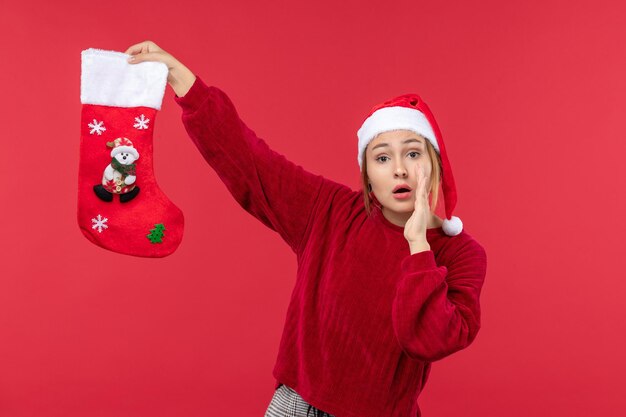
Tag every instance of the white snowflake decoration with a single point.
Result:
(99, 223)
(142, 122)
(96, 127)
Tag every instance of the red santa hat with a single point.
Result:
(409, 112)
(120, 145)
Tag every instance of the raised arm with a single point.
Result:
(276, 191)
(436, 310)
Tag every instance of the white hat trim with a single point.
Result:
(394, 118)
(108, 79)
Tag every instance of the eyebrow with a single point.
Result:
(380, 145)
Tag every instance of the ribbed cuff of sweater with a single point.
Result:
(420, 261)
(194, 97)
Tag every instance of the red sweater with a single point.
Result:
(366, 318)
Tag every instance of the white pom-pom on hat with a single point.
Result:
(452, 227)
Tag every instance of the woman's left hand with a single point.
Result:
(415, 227)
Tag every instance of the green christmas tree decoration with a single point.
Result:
(156, 234)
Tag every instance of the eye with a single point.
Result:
(418, 154)
(378, 159)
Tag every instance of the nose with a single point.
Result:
(124, 157)
(400, 171)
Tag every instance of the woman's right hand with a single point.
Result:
(179, 77)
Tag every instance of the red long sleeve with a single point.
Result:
(247, 165)
(366, 318)
(436, 310)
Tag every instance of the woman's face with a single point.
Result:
(391, 160)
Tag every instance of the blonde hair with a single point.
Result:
(435, 178)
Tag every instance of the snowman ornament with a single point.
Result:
(119, 176)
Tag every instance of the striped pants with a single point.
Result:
(287, 403)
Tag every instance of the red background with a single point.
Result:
(529, 97)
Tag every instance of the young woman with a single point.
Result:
(384, 286)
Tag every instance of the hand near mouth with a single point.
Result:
(415, 227)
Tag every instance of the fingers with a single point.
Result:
(418, 189)
(420, 179)
(135, 49)
(421, 192)
(148, 51)
(424, 184)
(146, 56)
(145, 46)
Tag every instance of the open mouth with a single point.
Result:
(402, 193)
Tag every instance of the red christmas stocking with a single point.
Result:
(120, 206)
